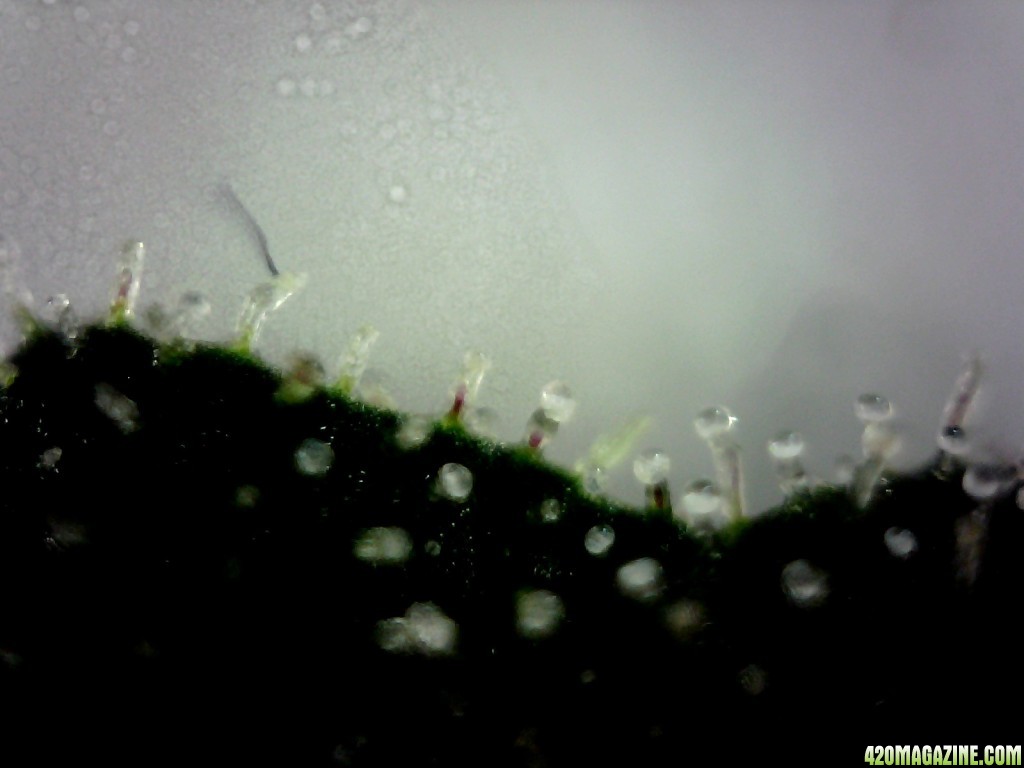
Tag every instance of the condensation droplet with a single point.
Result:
(804, 585)
(314, 457)
(640, 579)
(398, 194)
(538, 613)
(117, 407)
(872, 408)
(900, 542)
(599, 540)
(455, 481)
(557, 402)
(383, 546)
(652, 467)
(713, 423)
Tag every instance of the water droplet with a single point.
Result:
(900, 542)
(384, 546)
(538, 613)
(261, 301)
(129, 277)
(652, 467)
(557, 402)
(117, 407)
(872, 408)
(599, 540)
(702, 506)
(414, 431)
(398, 194)
(986, 481)
(804, 585)
(49, 458)
(785, 446)
(953, 440)
(714, 423)
(286, 87)
(303, 43)
(640, 579)
(358, 28)
(550, 511)
(313, 457)
(455, 481)
(424, 629)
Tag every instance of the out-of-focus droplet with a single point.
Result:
(714, 423)
(900, 542)
(753, 679)
(557, 402)
(880, 440)
(702, 506)
(550, 511)
(414, 431)
(986, 481)
(871, 408)
(247, 496)
(474, 367)
(193, 308)
(432, 548)
(599, 540)
(607, 451)
(314, 457)
(538, 613)
(49, 458)
(455, 481)
(383, 546)
(424, 630)
(786, 446)
(804, 585)
(640, 579)
(845, 467)
(358, 28)
(303, 43)
(540, 430)
(286, 87)
(129, 277)
(652, 467)
(261, 301)
(685, 618)
(356, 358)
(398, 194)
(482, 422)
(117, 407)
(63, 316)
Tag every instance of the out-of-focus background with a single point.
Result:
(669, 205)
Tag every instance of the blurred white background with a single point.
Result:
(774, 206)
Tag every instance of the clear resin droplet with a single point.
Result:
(383, 546)
(987, 481)
(313, 457)
(652, 467)
(900, 542)
(261, 301)
(63, 316)
(714, 423)
(557, 402)
(119, 408)
(804, 585)
(701, 507)
(599, 540)
(538, 613)
(550, 511)
(455, 482)
(785, 446)
(871, 408)
(640, 579)
(356, 358)
(129, 276)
